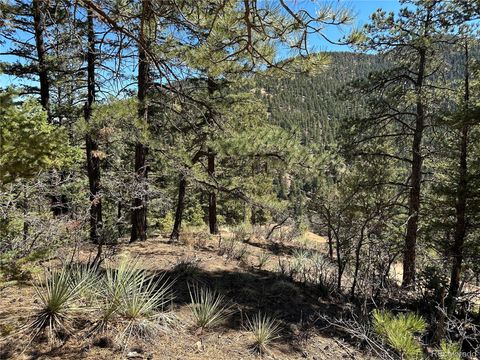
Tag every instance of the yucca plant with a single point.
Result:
(187, 269)
(57, 294)
(88, 276)
(264, 329)
(208, 307)
(142, 306)
(263, 258)
(399, 331)
(241, 253)
(136, 299)
(115, 284)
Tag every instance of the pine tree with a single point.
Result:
(403, 101)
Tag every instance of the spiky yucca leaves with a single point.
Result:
(264, 329)
(263, 258)
(143, 306)
(399, 330)
(117, 282)
(208, 307)
(57, 294)
(88, 275)
(136, 299)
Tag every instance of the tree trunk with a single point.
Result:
(339, 260)
(26, 223)
(253, 215)
(93, 161)
(39, 28)
(330, 243)
(212, 196)
(461, 223)
(139, 206)
(182, 185)
(358, 249)
(119, 219)
(409, 254)
(38, 7)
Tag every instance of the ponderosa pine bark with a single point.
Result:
(38, 7)
(409, 253)
(139, 205)
(182, 186)
(39, 29)
(93, 161)
(212, 196)
(461, 202)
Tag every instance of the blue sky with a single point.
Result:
(361, 9)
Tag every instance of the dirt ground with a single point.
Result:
(248, 289)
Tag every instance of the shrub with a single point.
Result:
(136, 299)
(208, 307)
(241, 232)
(399, 331)
(194, 237)
(449, 350)
(194, 215)
(241, 252)
(285, 291)
(187, 268)
(263, 258)
(57, 294)
(166, 223)
(264, 329)
(228, 247)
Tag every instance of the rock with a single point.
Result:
(134, 355)
(294, 329)
(199, 345)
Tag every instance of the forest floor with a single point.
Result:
(248, 288)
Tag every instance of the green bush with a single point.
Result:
(449, 351)
(399, 332)
(166, 223)
(194, 215)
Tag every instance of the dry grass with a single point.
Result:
(249, 290)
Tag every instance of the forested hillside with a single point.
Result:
(311, 105)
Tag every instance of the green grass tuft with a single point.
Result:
(264, 329)
(208, 307)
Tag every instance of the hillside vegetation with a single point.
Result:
(192, 180)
